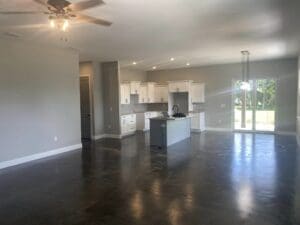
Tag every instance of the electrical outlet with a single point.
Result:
(55, 138)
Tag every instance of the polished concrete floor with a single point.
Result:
(210, 179)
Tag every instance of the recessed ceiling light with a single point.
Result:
(134, 63)
(172, 59)
(188, 64)
(154, 67)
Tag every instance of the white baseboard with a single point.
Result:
(116, 136)
(196, 130)
(286, 133)
(29, 158)
(218, 129)
(97, 137)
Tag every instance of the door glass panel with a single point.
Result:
(243, 107)
(265, 105)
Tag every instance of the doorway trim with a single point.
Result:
(91, 103)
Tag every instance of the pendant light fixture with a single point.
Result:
(245, 71)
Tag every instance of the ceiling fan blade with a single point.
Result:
(20, 12)
(80, 6)
(41, 2)
(93, 20)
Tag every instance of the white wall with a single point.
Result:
(39, 99)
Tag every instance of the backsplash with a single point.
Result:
(133, 107)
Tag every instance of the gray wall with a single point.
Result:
(219, 78)
(298, 104)
(133, 75)
(39, 99)
(111, 96)
(93, 69)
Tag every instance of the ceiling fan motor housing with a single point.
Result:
(58, 4)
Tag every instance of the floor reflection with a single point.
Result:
(212, 178)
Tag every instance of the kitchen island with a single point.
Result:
(165, 131)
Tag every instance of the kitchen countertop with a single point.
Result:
(124, 114)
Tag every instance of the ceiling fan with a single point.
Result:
(60, 12)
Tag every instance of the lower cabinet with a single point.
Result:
(143, 120)
(198, 121)
(128, 124)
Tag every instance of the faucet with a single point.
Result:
(175, 109)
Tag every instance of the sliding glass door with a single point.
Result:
(254, 109)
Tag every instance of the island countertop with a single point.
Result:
(170, 118)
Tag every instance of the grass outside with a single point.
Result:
(265, 120)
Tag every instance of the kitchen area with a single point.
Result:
(176, 105)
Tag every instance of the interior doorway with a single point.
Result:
(255, 109)
(85, 107)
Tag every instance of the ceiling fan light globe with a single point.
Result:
(65, 25)
(52, 23)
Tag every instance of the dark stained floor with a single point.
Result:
(210, 179)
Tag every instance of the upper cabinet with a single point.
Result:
(179, 86)
(125, 93)
(151, 92)
(135, 87)
(143, 94)
(197, 93)
(161, 93)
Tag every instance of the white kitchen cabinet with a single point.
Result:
(151, 92)
(179, 86)
(143, 95)
(161, 94)
(198, 122)
(143, 120)
(128, 124)
(125, 93)
(135, 87)
(197, 92)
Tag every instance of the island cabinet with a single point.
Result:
(161, 94)
(143, 120)
(197, 92)
(135, 87)
(179, 86)
(167, 131)
(125, 93)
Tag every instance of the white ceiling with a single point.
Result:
(150, 32)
